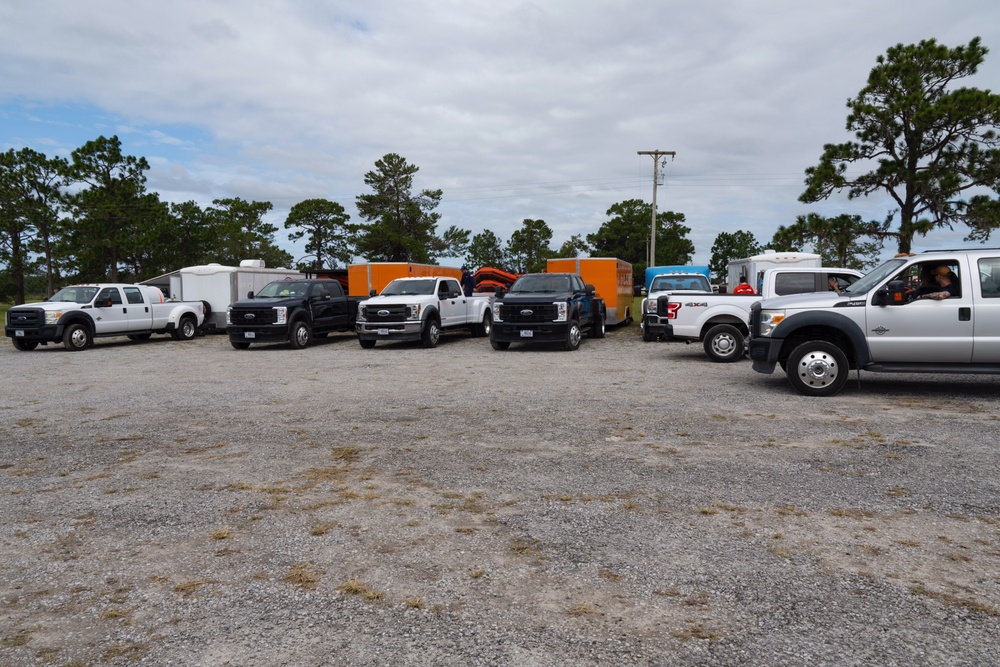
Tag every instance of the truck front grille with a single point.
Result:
(29, 318)
(253, 317)
(536, 312)
(386, 313)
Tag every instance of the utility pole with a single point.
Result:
(656, 178)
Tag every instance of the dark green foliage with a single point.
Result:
(528, 249)
(928, 144)
(729, 246)
(485, 250)
(844, 240)
(325, 225)
(625, 235)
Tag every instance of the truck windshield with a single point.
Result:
(865, 283)
(541, 283)
(283, 289)
(403, 287)
(665, 283)
(76, 294)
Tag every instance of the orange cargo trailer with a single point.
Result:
(362, 278)
(611, 278)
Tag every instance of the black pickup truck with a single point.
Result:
(292, 311)
(547, 308)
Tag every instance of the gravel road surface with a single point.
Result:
(630, 503)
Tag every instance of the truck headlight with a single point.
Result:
(280, 315)
(770, 319)
(229, 315)
(649, 306)
(52, 316)
(414, 310)
(361, 312)
(562, 311)
(496, 312)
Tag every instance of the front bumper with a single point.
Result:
(764, 353)
(272, 334)
(654, 324)
(409, 330)
(529, 332)
(48, 333)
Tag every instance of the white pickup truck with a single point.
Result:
(720, 321)
(665, 284)
(77, 314)
(422, 309)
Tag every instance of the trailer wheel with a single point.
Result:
(185, 330)
(24, 345)
(724, 343)
(299, 335)
(240, 345)
(573, 335)
(77, 337)
(431, 334)
(367, 343)
(817, 368)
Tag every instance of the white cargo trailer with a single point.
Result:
(753, 268)
(217, 285)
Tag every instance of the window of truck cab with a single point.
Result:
(989, 277)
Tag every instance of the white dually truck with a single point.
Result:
(721, 321)
(422, 309)
(78, 314)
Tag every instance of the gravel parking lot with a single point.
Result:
(184, 503)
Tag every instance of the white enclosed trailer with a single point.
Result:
(753, 268)
(217, 285)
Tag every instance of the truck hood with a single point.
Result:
(808, 300)
(400, 298)
(53, 305)
(535, 297)
(267, 303)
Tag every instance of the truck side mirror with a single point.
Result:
(498, 292)
(893, 294)
(250, 294)
(372, 292)
(591, 290)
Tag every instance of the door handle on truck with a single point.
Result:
(964, 314)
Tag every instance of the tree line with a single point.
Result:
(933, 148)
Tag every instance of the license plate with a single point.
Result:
(19, 332)
(527, 333)
(249, 334)
(383, 332)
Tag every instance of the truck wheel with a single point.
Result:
(647, 335)
(499, 344)
(483, 328)
(431, 334)
(185, 330)
(724, 343)
(599, 326)
(239, 345)
(573, 335)
(76, 337)
(367, 343)
(24, 345)
(817, 368)
(299, 335)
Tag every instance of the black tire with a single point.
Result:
(647, 335)
(186, 329)
(598, 326)
(367, 343)
(299, 335)
(573, 336)
(483, 329)
(77, 337)
(628, 316)
(24, 345)
(499, 344)
(206, 310)
(239, 345)
(724, 343)
(431, 333)
(817, 368)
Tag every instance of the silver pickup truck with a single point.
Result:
(937, 312)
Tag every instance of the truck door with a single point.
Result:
(451, 303)
(580, 297)
(924, 329)
(140, 315)
(110, 313)
(987, 315)
(321, 304)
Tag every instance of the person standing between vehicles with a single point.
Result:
(468, 281)
(743, 287)
(947, 284)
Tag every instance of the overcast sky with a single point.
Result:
(514, 109)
